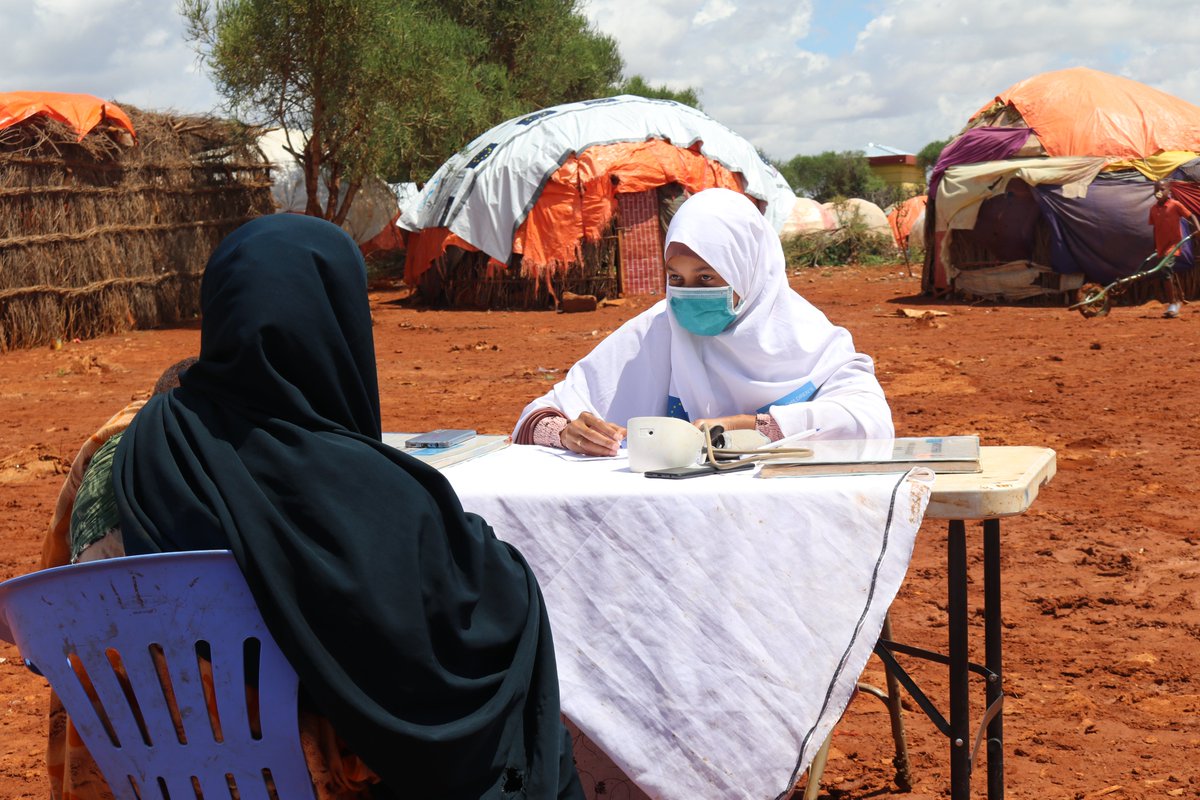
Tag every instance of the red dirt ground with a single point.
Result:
(1100, 595)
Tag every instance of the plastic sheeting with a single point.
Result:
(375, 206)
(1084, 112)
(1187, 193)
(964, 187)
(485, 191)
(1188, 171)
(81, 112)
(864, 211)
(976, 146)
(1106, 234)
(808, 216)
(579, 201)
(1155, 167)
(906, 218)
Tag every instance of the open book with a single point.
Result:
(873, 456)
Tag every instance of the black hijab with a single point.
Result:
(421, 636)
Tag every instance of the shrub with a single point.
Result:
(853, 243)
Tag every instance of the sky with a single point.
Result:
(795, 77)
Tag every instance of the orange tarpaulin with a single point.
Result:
(903, 216)
(388, 239)
(1084, 112)
(579, 201)
(82, 112)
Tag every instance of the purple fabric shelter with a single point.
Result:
(972, 147)
(1106, 235)
(978, 145)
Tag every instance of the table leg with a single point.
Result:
(956, 611)
(993, 631)
(896, 714)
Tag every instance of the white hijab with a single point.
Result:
(778, 345)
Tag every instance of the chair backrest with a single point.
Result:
(139, 649)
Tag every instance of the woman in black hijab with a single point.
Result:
(417, 633)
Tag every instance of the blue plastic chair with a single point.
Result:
(116, 621)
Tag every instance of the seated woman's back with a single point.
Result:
(419, 635)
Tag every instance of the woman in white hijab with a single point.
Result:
(732, 345)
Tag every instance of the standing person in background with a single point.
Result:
(732, 345)
(1167, 216)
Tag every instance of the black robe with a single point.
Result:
(421, 636)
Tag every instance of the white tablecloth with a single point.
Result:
(708, 631)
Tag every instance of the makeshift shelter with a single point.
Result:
(906, 219)
(79, 112)
(373, 212)
(1050, 185)
(808, 216)
(101, 233)
(855, 210)
(573, 198)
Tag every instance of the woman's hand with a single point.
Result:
(591, 436)
(738, 422)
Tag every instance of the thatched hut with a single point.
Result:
(101, 233)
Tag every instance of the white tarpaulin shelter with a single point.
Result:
(485, 191)
(864, 211)
(808, 216)
(374, 207)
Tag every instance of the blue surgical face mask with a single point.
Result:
(704, 311)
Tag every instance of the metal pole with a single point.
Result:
(993, 630)
(960, 711)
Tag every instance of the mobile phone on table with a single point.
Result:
(442, 437)
(696, 471)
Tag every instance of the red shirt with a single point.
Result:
(1165, 219)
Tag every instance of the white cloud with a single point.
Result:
(131, 51)
(714, 11)
(783, 74)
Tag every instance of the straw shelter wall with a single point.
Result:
(101, 235)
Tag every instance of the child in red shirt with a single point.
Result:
(1165, 216)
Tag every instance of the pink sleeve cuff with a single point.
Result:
(548, 431)
(524, 434)
(768, 427)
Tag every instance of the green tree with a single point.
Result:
(546, 49)
(927, 158)
(392, 88)
(831, 176)
(636, 85)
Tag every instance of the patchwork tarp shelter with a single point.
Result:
(535, 199)
(808, 216)
(1050, 185)
(101, 233)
